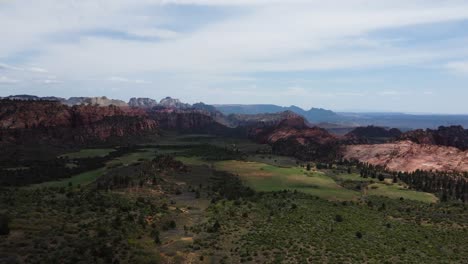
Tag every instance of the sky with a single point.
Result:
(354, 55)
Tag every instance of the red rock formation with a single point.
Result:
(187, 121)
(409, 156)
(294, 137)
(454, 136)
(52, 121)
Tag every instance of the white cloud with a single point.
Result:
(458, 67)
(278, 36)
(37, 70)
(5, 80)
(4, 66)
(221, 47)
(391, 93)
(126, 80)
(154, 33)
(49, 81)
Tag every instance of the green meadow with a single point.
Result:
(88, 153)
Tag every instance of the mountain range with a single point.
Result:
(336, 122)
(26, 120)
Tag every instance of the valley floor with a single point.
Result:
(204, 199)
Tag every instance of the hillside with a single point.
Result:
(409, 156)
(453, 136)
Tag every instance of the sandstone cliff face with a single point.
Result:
(21, 122)
(30, 114)
(187, 121)
(409, 156)
(454, 136)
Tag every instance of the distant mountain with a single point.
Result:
(27, 97)
(313, 115)
(403, 121)
(169, 102)
(268, 119)
(142, 102)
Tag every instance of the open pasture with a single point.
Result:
(264, 177)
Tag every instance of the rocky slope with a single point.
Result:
(292, 136)
(409, 156)
(45, 121)
(187, 121)
(454, 136)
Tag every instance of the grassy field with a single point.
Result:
(275, 160)
(143, 154)
(88, 153)
(396, 191)
(264, 177)
(81, 179)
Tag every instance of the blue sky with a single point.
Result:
(359, 55)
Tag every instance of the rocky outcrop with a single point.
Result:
(187, 121)
(169, 102)
(293, 137)
(104, 101)
(45, 121)
(408, 156)
(453, 136)
(99, 101)
(142, 102)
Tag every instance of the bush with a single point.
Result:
(338, 218)
(359, 234)
(4, 225)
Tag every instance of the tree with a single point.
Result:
(155, 235)
(338, 218)
(381, 177)
(4, 225)
(359, 234)
(215, 227)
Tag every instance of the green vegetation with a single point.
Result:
(286, 227)
(88, 153)
(397, 191)
(82, 179)
(266, 178)
(139, 155)
(203, 200)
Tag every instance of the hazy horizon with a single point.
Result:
(359, 56)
